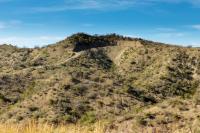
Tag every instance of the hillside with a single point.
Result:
(126, 81)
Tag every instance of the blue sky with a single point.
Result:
(40, 22)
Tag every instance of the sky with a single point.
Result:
(30, 23)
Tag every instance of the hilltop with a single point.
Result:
(86, 78)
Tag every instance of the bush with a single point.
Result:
(79, 90)
(88, 118)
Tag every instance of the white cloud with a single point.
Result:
(30, 41)
(170, 34)
(197, 27)
(9, 24)
(165, 29)
(2, 25)
(106, 4)
(86, 4)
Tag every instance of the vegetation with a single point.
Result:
(33, 127)
(85, 78)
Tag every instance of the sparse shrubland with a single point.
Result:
(84, 79)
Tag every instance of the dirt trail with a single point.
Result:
(118, 51)
(71, 58)
(57, 64)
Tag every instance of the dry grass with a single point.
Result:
(99, 127)
(32, 127)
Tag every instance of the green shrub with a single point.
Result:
(88, 118)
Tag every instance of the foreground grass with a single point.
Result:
(32, 127)
(99, 127)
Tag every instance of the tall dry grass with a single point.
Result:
(32, 127)
(99, 127)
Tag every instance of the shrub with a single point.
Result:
(88, 118)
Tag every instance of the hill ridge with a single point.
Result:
(88, 78)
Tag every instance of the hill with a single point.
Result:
(128, 82)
